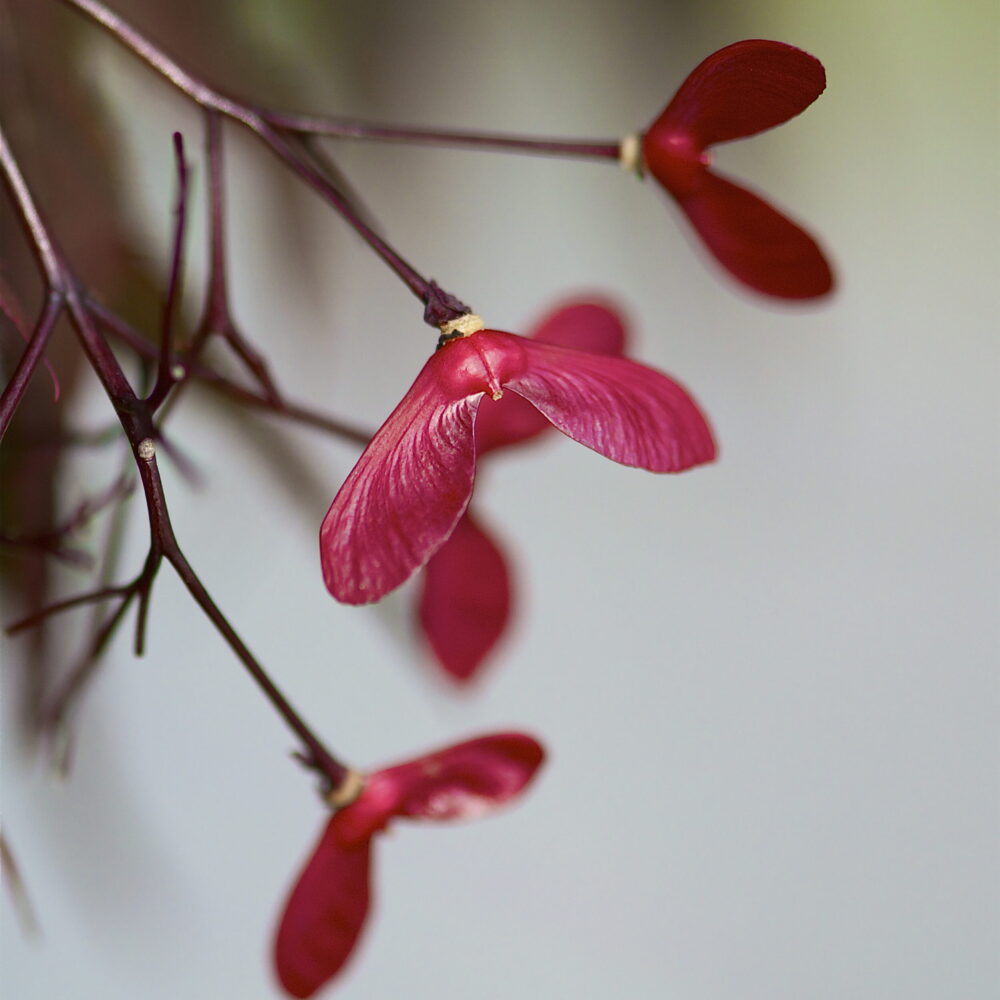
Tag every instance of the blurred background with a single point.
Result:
(768, 687)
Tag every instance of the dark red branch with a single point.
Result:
(312, 149)
(280, 142)
(53, 542)
(216, 314)
(217, 318)
(14, 390)
(212, 379)
(137, 420)
(91, 597)
(55, 713)
(165, 378)
(348, 128)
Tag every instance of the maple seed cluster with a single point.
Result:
(404, 508)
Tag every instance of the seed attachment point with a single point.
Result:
(630, 154)
(347, 791)
(462, 326)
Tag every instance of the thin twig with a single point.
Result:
(217, 316)
(137, 420)
(352, 128)
(440, 306)
(214, 380)
(53, 717)
(42, 246)
(55, 720)
(33, 353)
(67, 604)
(17, 889)
(322, 161)
(51, 542)
(164, 373)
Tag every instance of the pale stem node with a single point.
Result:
(462, 326)
(630, 154)
(347, 791)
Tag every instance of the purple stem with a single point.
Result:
(417, 284)
(136, 418)
(14, 390)
(440, 305)
(216, 315)
(47, 258)
(164, 376)
(73, 685)
(317, 754)
(349, 128)
(71, 602)
(208, 376)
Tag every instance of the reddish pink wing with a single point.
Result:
(464, 781)
(584, 326)
(506, 421)
(326, 910)
(741, 90)
(755, 242)
(627, 412)
(465, 600)
(324, 914)
(407, 491)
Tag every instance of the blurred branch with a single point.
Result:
(439, 305)
(16, 888)
(52, 542)
(225, 386)
(136, 416)
(352, 128)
